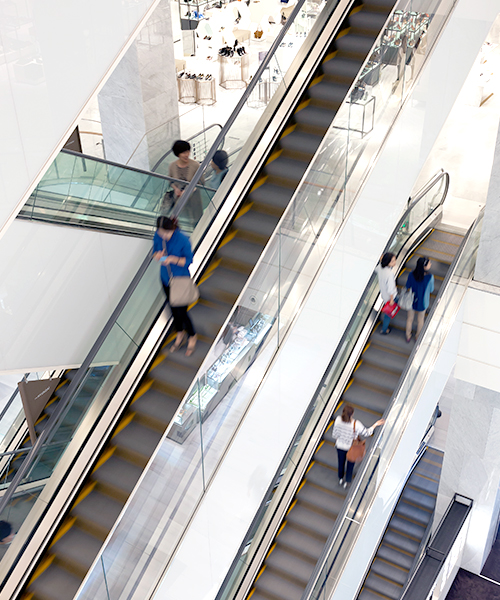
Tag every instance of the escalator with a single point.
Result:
(318, 501)
(92, 514)
(407, 528)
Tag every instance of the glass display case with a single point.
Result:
(239, 345)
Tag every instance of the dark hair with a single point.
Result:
(180, 146)
(386, 259)
(220, 159)
(166, 223)
(419, 270)
(347, 412)
(5, 530)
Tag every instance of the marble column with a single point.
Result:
(138, 104)
(471, 465)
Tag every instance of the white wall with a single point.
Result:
(58, 286)
(70, 47)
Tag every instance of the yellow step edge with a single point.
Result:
(213, 265)
(320, 444)
(360, 362)
(291, 506)
(43, 566)
(351, 381)
(317, 80)
(169, 339)
(205, 277)
(260, 572)
(301, 485)
(330, 425)
(27, 596)
(290, 129)
(366, 347)
(106, 455)
(310, 466)
(61, 383)
(123, 423)
(243, 210)
(192, 305)
(270, 550)
(303, 104)
(40, 419)
(85, 492)
(228, 238)
(330, 55)
(144, 387)
(281, 528)
(65, 527)
(251, 593)
(157, 361)
(260, 181)
(355, 10)
(52, 400)
(342, 33)
(274, 155)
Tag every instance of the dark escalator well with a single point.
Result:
(318, 501)
(105, 491)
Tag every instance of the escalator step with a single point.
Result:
(447, 250)
(378, 357)
(344, 68)
(376, 379)
(138, 439)
(396, 540)
(120, 474)
(428, 469)
(329, 91)
(394, 573)
(438, 268)
(275, 197)
(363, 396)
(78, 548)
(310, 520)
(399, 558)
(382, 5)
(367, 594)
(356, 45)
(314, 116)
(300, 141)
(174, 376)
(295, 568)
(324, 501)
(194, 361)
(450, 238)
(326, 478)
(222, 283)
(406, 527)
(156, 405)
(257, 223)
(419, 498)
(207, 320)
(99, 510)
(368, 21)
(278, 587)
(422, 483)
(286, 169)
(55, 584)
(410, 511)
(383, 586)
(395, 341)
(300, 542)
(241, 251)
(327, 454)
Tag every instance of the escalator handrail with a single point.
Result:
(355, 488)
(232, 118)
(411, 204)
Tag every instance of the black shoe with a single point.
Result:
(386, 332)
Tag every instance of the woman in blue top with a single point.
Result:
(421, 282)
(171, 247)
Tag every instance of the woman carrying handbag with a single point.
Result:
(350, 448)
(173, 250)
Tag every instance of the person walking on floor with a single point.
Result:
(421, 282)
(345, 431)
(171, 247)
(387, 284)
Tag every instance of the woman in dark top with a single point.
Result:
(421, 282)
(184, 168)
(171, 247)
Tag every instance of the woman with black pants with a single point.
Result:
(171, 247)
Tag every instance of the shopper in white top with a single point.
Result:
(387, 284)
(345, 431)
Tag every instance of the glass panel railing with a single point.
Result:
(86, 191)
(351, 520)
(424, 204)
